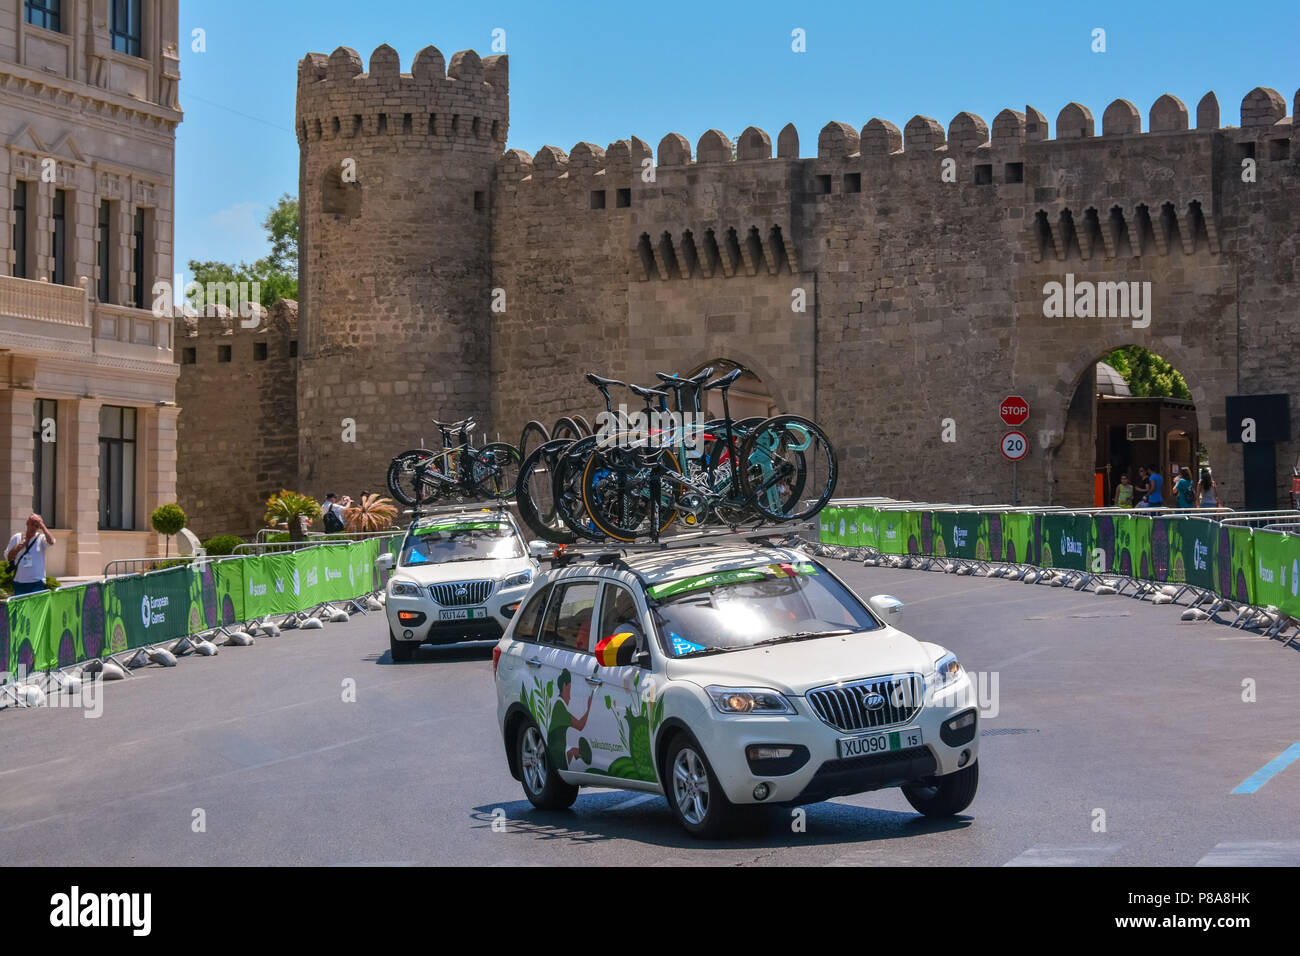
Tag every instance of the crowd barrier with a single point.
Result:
(53, 629)
(1216, 552)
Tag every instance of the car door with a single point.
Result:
(627, 688)
(519, 665)
(564, 682)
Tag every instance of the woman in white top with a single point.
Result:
(27, 549)
(1207, 492)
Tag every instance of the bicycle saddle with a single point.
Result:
(697, 379)
(726, 380)
(463, 425)
(648, 393)
(599, 382)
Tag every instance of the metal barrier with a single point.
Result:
(124, 566)
(265, 533)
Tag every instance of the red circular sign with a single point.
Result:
(1014, 410)
(1015, 446)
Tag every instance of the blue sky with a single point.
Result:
(605, 71)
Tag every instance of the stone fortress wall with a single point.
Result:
(923, 298)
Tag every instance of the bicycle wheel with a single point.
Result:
(535, 493)
(403, 480)
(786, 458)
(496, 470)
(566, 490)
(534, 434)
(566, 428)
(584, 426)
(617, 489)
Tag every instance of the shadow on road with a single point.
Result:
(595, 818)
(440, 654)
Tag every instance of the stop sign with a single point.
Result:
(1014, 410)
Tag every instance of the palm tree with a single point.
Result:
(373, 514)
(290, 508)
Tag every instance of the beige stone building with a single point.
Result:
(88, 117)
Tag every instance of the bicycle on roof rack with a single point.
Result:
(459, 472)
(627, 483)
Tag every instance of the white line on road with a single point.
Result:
(1064, 855)
(1275, 853)
(632, 801)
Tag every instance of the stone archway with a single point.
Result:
(1067, 440)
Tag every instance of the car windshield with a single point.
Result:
(745, 607)
(464, 541)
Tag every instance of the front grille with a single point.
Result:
(844, 705)
(461, 593)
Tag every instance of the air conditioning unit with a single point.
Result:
(1142, 432)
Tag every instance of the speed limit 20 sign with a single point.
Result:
(1015, 445)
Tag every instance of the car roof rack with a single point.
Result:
(493, 509)
(612, 553)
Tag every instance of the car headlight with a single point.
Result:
(517, 580)
(947, 669)
(404, 589)
(749, 700)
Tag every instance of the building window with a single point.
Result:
(853, 182)
(1013, 173)
(45, 435)
(137, 259)
(480, 200)
(105, 251)
(598, 199)
(60, 238)
(44, 13)
(824, 185)
(126, 26)
(623, 198)
(259, 351)
(983, 174)
(20, 229)
(223, 353)
(293, 348)
(189, 356)
(117, 468)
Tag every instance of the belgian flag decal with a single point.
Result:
(616, 650)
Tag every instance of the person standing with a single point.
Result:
(1124, 492)
(26, 551)
(332, 517)
(1207, 491)
(1155, 483)
(1184, 489)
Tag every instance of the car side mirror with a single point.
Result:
(617, 650)
(887, 607)
(384, 562)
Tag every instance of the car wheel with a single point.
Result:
(693, 791)
(946, 795)
(542, 785)
(402, 651)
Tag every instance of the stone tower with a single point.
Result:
(395, 185)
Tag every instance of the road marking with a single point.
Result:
(1269, 770)
(1064, 855)
(1277, 853)
(1019, 657)
(632, 801)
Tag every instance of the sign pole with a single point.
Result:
(1015, 485)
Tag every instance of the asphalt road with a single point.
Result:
(1105, 705)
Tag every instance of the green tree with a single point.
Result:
(277, 273)
(1147, 374)
(167, 520)
(290, 508)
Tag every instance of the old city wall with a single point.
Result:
(237, 392)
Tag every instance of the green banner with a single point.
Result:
(147, 608)
(1064, 540)
(1017, 538)
(898, 532)
(269, 585)
(990, 537)
(29, 642)
(1132, 554)
(1237, 563)
(832, 522)
(64, 626)
(956, 534)
(1277, 571)
(1194, 552)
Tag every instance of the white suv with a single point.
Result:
(458, 577)
(720, 676)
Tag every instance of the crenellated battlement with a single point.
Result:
(1263, 117)
(465, 100)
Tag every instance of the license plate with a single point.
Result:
(879, 743)
(463, 614)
